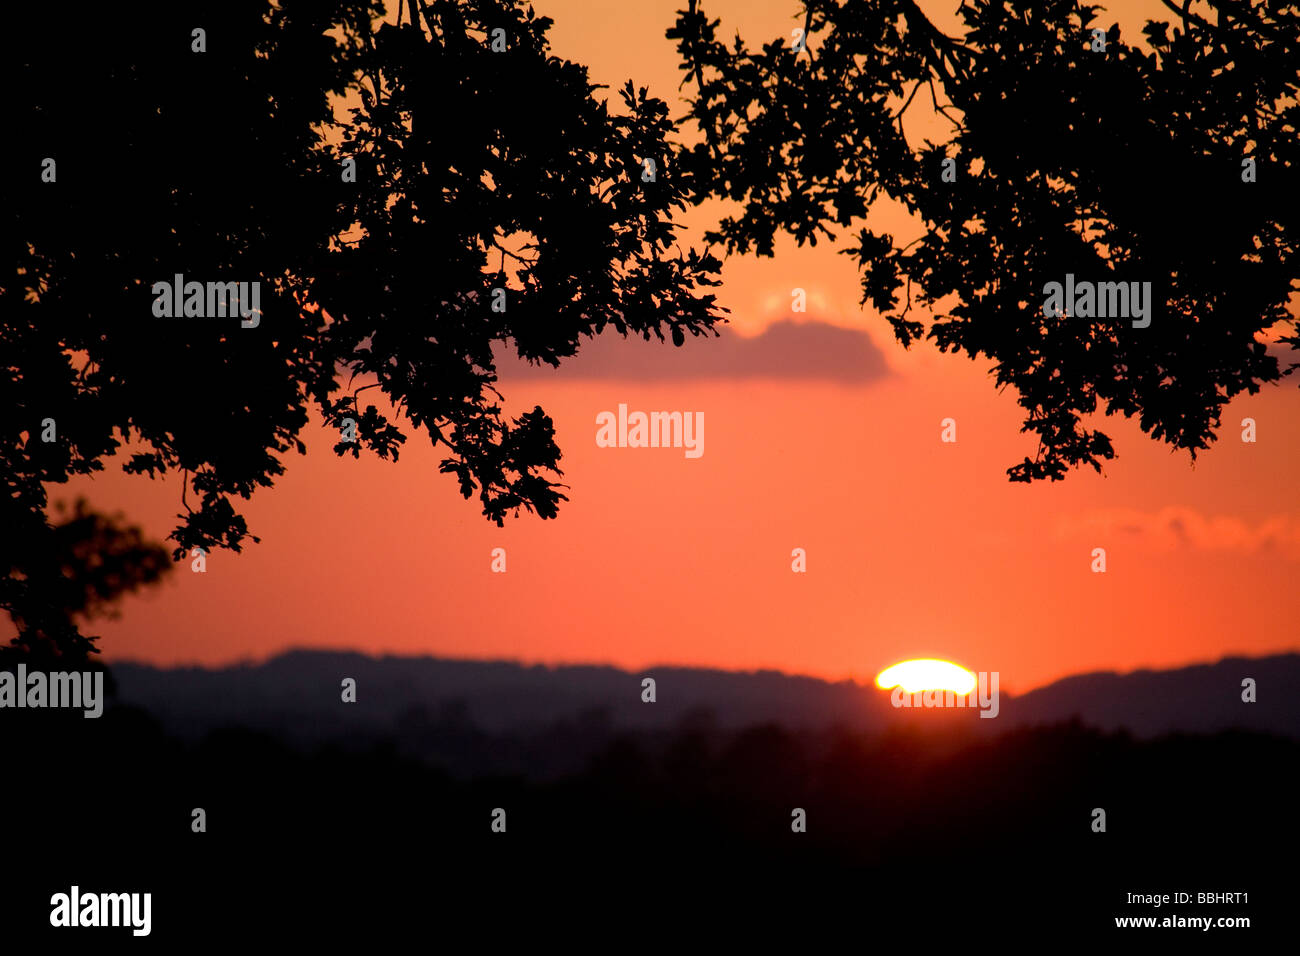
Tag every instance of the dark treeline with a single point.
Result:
(900, 826)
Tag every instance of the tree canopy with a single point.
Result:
(1071, 152)
(203, 140)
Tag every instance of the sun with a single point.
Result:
(927, 674)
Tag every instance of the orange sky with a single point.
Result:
(915, 548)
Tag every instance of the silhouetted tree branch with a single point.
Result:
(1115, 166)
(214, 165)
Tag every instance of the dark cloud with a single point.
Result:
(806, 351)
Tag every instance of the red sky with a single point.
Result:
(915, 548)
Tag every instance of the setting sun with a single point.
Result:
(927, 674)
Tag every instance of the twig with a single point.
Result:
(935, 100)
(899, 117)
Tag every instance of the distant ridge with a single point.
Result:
(1201, 698)
(296, 694)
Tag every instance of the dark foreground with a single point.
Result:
(673, 840)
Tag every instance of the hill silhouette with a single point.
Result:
(444, 710)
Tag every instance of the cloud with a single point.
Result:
(804, 351)
(1172, 528)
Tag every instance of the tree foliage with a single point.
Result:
(477, 169)
(60, 573)
(1117, 165)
